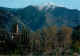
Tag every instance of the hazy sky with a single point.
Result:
(73, 4)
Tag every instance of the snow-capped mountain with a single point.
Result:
(39, 16)
(45, 6)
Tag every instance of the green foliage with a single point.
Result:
(70, 52)
(79, 51)
(25, 32)
(15, 55)
(25, 51)
(76, 40)
(35, 53)
(76, 35)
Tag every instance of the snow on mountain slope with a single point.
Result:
(45, 6)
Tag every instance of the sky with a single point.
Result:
(72, 4)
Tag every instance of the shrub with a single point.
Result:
(70, 52)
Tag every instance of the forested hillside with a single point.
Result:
(39, 16)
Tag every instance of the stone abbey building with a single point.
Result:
(14, 33)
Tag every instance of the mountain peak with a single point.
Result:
(45, 6)
(48, 3)
(51, 3)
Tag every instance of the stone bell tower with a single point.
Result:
(15, 29)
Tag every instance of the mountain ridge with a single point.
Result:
(37, 19)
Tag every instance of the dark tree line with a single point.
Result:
(46, 41)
